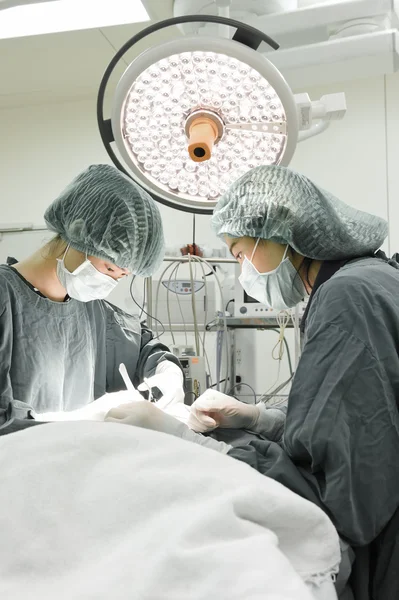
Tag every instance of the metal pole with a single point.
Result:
(212, 261)
(233, 358)
(149, 301)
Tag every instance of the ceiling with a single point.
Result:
(68, 66)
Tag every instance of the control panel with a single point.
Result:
(182, 286)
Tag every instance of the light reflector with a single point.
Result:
(236, 86)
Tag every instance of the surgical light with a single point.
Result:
(192, 115)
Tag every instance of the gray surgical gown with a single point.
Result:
(341, 439)
(342, 423)
(59, 356)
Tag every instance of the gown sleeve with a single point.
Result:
(342, 425)
(132, 343)
(14, 413)
(152, 353)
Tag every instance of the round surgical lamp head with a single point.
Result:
(192, 115)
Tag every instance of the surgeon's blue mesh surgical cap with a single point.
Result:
(104, 213)
(277, 204)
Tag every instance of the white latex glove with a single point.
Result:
(147, 416)
(95, 411)
(168, 379)
(214, 409)
(179, 411)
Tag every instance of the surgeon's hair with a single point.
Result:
(304, 267)
(55, 247)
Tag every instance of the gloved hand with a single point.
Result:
(147, 416)
(94, 411)
(214, 409)
(168, 379)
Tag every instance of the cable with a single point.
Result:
(200, 259)
(282, 318)
(194, 307)
(175, 270)
(206, 309)
(215, 384)
(197, 337)
(144, 297)
(282, 385)
(268, 396)
(227, 305)
(213, 271)
(288, 352)
(204, 275)
(246, 385)
(176, 264)
(156, 337)
(193, 393)
(180, 308)
(157, 292)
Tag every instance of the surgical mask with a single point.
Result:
(86, 283)
(280, 289)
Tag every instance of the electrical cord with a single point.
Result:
(157, 292)
(288, 352)
(175, 270)
(156, 337)
(192, 393)
(282, 318)
(282, 386)
(215, 384)
(213, 272)
(200, 259)
(245, 385)
(180, 308)
(266, 397)
(204, 275)
(194, 306)
(177, 265)
(228, 304)
(144, 297)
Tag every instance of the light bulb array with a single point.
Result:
(161, 100)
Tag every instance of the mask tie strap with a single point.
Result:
(254, 250)
(285, 253)
(65, 253)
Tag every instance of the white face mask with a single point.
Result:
(86, 283)
(280, 289)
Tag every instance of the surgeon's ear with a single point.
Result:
(73, 259)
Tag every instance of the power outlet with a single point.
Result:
(238, 357)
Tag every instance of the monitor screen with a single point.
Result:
(249, 299)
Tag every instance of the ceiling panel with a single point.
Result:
(159, 9)
(62, 66)
(53, 63)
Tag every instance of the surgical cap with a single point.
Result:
(277, 204)
(104, 213)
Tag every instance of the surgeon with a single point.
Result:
(61, 342)
(338, 443)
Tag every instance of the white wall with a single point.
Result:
(43, 147)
